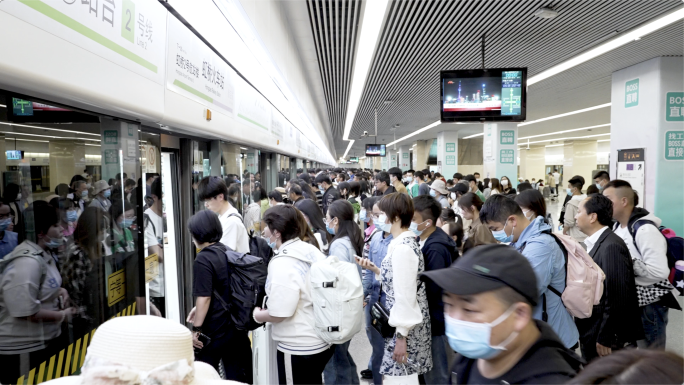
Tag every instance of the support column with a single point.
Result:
(500, 151)
(447, 152)
(584, 161)
(404, 158)
(420, 154)
(384, 162)
(532, 163)
(647, 113)
(119, 149)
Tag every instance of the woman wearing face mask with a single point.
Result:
(496, 187)
(81, 263)
(123, 217)
(314, 217)
(31, 316)
(477, 234)
(12, 198)
(533, 205)
(102, 191)
(68, 215)
(211, 275)
(507, 187)
(409, 350)
(487, 190)
(302, 355)
(343, 188)
(346, 244)
(253, 214)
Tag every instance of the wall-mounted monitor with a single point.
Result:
(354, 159)
(28, 111)
(375, 150)
(497, 94)
(15, 155)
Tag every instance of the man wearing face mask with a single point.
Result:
(572, 207)
(489, 297)
(438, 249)
(601, 179)
(395, 178)
(8, 239)
(79, 195)
(102, 191)
(330, 193)
(533, 240)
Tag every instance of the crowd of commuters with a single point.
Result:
(463, 265)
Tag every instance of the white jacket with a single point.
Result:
(650, 260)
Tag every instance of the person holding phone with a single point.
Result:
(214, 336)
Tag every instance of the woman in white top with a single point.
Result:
(302, 355)
(253, 214)
(408, 351)
(496, 187)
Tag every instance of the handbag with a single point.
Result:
(408, 379)
(380, 318)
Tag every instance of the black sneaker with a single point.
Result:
(367, 374)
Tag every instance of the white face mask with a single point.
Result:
(504, 182)
(525, 212)
(453, 196)
(490, 184)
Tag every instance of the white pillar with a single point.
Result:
(500, 151)
(404, 158)
(447, 152)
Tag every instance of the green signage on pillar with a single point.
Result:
(451, 160)
(405, 155)
(451, 147)
(632, 93)
(674, 145)
(507, 157)
(507, 137)
(111, 137)
(674, 111)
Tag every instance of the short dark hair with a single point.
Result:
(355, 188)
(296, 189)
(343, 186)
(205, 227)
(383, 177)
(468, 200)
(411, 171)
(476, 173)
(577, 181)
(428, 207)
(150, 175)
(602, 207)
(259, 193)
(156, 188)
(618, 183)
(419, 174)
(323, 178)
(602, 175)
(457, 175)
(447, 215)
(118, 208)
(210, 187)
(397, 206)
(276, 196)
(470, 178)
(369, 202)
(524, 186)
(592, 189)
(396, 171)
(129, 182)
(44, 217)
(532, 200)
(498, 208)
(633, 366)
(283, 218)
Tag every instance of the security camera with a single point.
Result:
(365, 133)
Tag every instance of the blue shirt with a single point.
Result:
(8, 243)
(343, 249)
(548, 262)
(377, 253)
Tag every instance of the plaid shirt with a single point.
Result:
(75, 268)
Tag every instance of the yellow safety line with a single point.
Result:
(58, 372)
(41, 373)
(78, 349)
(67, 363)
(50, 367)
(20, 380)
(85, 347)
(30, 377)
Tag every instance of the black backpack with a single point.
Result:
(247, 288)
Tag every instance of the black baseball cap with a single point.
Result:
(487, 268)
(460, 187)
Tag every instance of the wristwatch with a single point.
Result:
(197, 329)
(399, 336)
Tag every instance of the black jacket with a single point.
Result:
(617, 318)
(390, 189)
(437, 253)
(546, 362)
(330, 196)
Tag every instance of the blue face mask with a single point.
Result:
(472, 339)
(127, 222)
(331, 230)
(501, 236)
(363, 216)
(569, 191)
(272, 245)
(433, 193)
(380, 223)
(598, 186)
(107, 193)
(5, 223)
(72, 216)
(414, 227)
(54, 243)
(84, 194)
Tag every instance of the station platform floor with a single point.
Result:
(360, 348)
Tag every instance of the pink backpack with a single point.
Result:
(583, 279)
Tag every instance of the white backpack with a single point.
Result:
(337, 296)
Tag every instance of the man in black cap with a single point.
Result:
(456, 192)
(488, 298)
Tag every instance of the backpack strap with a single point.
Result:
(147, 220)
(636, 226)
(27, 254)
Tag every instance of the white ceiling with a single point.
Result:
(422, 37)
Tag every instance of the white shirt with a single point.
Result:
(289, 296)
(591, 240)
(556, 177)
(650, 265)
(234, 232)
(154, 235)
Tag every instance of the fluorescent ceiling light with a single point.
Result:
(30, 140)
(565, 114)
(414, 145)
(564, 131)
(2, 105)
(610, 45)
(373, 16)
(555, 145)
(429, 126)
(606, 140)
(46, 136)
(351, 143)
(94, 145)
(474, 136)
(243, 148)
(575, 137)
(48, 128)
(363, 157)
(411, 149)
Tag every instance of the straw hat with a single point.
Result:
(141, 350)
(99, 186)
(439, 186)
